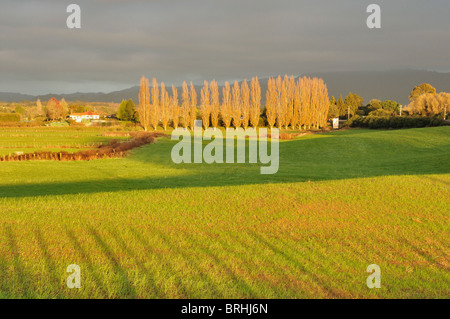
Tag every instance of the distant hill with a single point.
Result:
(15, 97)
(383, 85)
(390, 85)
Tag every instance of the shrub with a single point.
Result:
(111, 150)
(382, 122)
(9, 117)
(286, 136)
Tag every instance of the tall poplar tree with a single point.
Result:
(175, 107)
(154, 111)
(165, 107)
(205, 104)
(144, 103)
(225, 109)
(192, 106)
(215, 104)
(279, 102)
(245, 104)
(236, 104)
(185, 106)
(271, 103)
(255, 103)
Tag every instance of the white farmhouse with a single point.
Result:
(78, 117)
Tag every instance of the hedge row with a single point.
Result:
(375, 122)
(111, 150)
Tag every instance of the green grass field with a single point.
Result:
(49, 139)
(143, 227)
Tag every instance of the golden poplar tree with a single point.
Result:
(225, 109)
(154, 111)
(192, 106)
(215, 104)
(284, 103)
(271, 103)
(245, 104)
(165, 107)
(205, 104)
(175, 107)
(144, 103)
(295, 120)
(324, 104)
(39, 108)
(313, 101)
(236, 105)
(39, 105)
(64, 107)
(255, 103)
(290, 93)
(306, 107)
(185, 106)
(279, 102)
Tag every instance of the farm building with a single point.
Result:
(78, 117)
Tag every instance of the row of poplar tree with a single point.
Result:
(301, 103)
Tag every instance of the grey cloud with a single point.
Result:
(178, 40)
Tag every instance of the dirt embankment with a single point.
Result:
(111, 150)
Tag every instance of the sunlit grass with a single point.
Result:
(29, 140)
(143, 227)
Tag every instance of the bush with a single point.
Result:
(360, 112)
(9, 117)
(113, 149)
(382, 122)
(381, 113)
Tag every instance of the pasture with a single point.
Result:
(143, 227)
(29, 140)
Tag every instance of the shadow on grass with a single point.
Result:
(139, 263)
(347, 155)
(233, 277)
(128, 290)
(87, 261)
(191, 261)
(189, 181)
(20, 276)
(295, 263)
(50, 265)
(143, 241)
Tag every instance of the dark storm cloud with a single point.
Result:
(176, 40)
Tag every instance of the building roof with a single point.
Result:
(85, 113)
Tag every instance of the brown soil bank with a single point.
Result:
(113, 149)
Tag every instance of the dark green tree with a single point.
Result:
(374, 105)
(341, 106)
(333, 111)
(391, 106)
(127, 111)
(352, 103)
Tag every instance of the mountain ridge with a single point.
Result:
(384, 85)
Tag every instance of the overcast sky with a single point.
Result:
(192, 40)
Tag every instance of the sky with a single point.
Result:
(196, 40)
